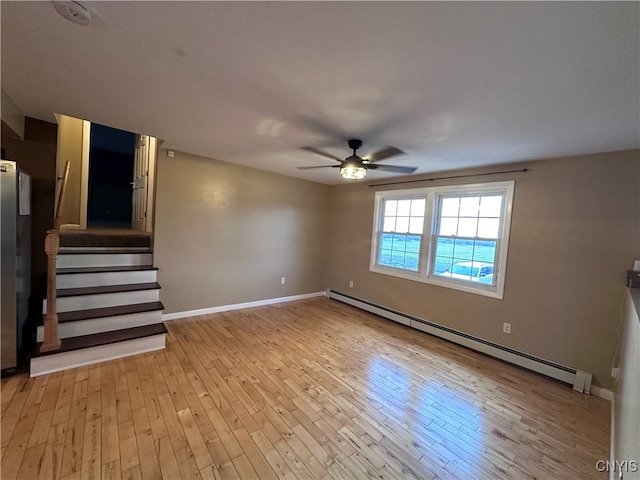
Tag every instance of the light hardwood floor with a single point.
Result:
(310, 389)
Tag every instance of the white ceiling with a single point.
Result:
(454, 84)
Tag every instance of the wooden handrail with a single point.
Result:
(51, 340)
(63, 189)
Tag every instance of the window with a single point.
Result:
(454, 236)
(401, 234)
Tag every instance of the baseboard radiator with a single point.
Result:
(580, 380)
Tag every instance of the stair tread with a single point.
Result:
(88, 314)
(105, 338)
(129, 287)
(133, 268)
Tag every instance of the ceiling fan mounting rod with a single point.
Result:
(354, 144)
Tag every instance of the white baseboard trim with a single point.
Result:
(612, 440)
(602, 393)
(238, 306)
(56, 362)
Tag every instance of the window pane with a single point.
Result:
(384, 258)
(416, 224)
(469, 206)
(402, 224)
(467, 227)
(488, 227)
(485, 252)
(413, 244)
(397, 259)
(390, 207)
(442, 264)
(389, 224)
(448, 226)
(444, 248)
(465, 268)
(399, 242)
(463, 249)
(399, 251)
(450, 207)
(417, 207)
(385, 241)
(411, 261)
(491, 206)
(404, 208)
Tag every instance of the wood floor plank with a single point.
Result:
(14, 454)
(311, 389)
(91, 449)
(31, 462)
(296, 465)
(196, 443)
(187, 464)
(224, 432)
(72, 453)
(111, 470)
(253, 453)
(167, 458)
(128, 447)
(52, 460)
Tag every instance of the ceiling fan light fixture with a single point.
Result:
(352, 171)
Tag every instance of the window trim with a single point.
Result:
(432, 195)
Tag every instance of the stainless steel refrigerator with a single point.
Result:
(15, 258)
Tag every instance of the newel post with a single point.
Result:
(51, 246)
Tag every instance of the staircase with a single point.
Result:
(108, 301)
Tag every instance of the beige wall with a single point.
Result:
(70, 148)
(574, 233)
(11, 115)
(225, 234)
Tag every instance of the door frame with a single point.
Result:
(84, 180)
(151, 183)
(149, 163)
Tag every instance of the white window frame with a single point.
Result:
(428, 244)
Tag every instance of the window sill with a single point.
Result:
(496, 292)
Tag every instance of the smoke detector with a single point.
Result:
(73, 11)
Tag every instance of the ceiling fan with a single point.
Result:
(355, 167)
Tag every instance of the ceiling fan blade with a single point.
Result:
(384, 153)
(392, 168)
(320, 152)
(319, 166)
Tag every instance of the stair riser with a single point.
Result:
(106, 324)
(104, 260)
(77, 280)
(86, 302)
(88, 356)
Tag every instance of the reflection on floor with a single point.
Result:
(309, 389)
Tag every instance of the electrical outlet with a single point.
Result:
(350, 283)
(282, 280)
(506, 327)
(615, 372)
